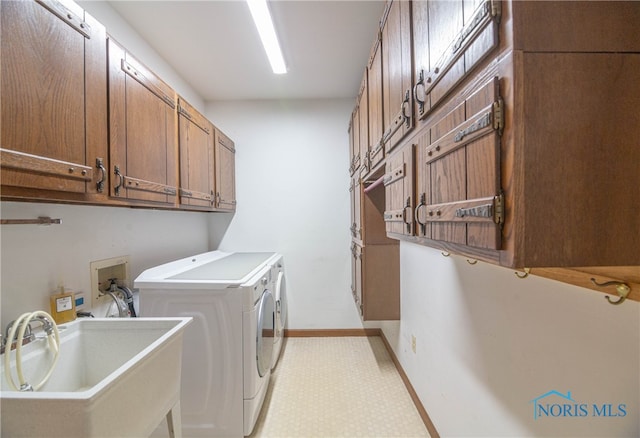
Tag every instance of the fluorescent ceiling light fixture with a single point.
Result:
(264, 23)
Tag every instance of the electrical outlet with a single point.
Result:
(413, 343)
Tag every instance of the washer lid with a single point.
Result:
(230, 269)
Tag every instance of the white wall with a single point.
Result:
(488, 343)
(293, 197)
(35, 259)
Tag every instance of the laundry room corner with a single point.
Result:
(293, 198)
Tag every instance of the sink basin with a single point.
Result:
(115, 377)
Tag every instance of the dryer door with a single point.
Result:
(265, 331)
(281, 304)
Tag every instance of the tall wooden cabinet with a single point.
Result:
(54, 109)
(526, 138)
(375, 258)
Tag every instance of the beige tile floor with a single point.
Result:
(337, 387)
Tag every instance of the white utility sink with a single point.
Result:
(115, 377)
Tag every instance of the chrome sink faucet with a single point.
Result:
(28, 337)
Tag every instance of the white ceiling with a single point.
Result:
(215, 47)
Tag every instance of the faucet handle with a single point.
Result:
(28, 336)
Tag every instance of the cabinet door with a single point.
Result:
(397, 73)
(579, 136)
(375, 149)
(53, 98)
(420, 37)
(225, 172)
(423, 185)
(143, 123)
(399, 196)
(463, 156)
(359, 128)
(356, 275)
(576, 26)
(352, 201)
(446, 20)
(352, 141)
(363, 123)
(356, 197)
(196, 134)
(460, 35)
(380, 291)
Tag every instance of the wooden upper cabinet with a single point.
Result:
(375, 148)
(396, 73)
(459, 35)
(576, 26)
(465, 204)
(527, 141)
(225, 159)
(358, 129)
(535, 163)
(573, 156)
(399, 192)
(143, 131)
(363, 123)
(54, 117)
(196, 138)
(420, 39)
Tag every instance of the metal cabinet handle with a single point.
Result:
(406, 218)
(422, 203)
(116, 172)
(405, 105)
(416, 94)
(103, 175)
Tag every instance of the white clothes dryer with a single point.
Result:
(228, 349)
(280, 298)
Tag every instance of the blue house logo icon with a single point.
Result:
(554, 404)
(542, 408)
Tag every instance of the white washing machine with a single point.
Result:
(228, 349)
(280, 298)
